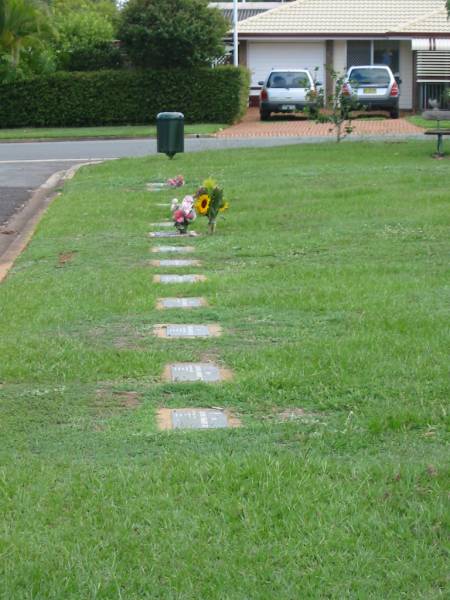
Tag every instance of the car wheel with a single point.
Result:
(394, 112)
(264, 115)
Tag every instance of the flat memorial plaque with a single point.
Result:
(175, 249)
(181, 302)
(198, 419)
(164, 234)
(163, 224)
(195, 372)
(172, 234)
(178, 263)
(187, 331)
(157, 186)
(179, 278)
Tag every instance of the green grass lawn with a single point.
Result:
(129, 131)
(330, 278)
(420, 122)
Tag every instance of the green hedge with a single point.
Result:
(125, 97)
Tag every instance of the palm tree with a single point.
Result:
(23, 25)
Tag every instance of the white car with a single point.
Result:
(286, 90)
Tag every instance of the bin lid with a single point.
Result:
(169, 115)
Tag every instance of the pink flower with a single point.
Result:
(178, 216)
(175, 182)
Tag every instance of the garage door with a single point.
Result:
(262, 57)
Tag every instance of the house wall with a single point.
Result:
(340, 56)
(406, 74)
(261, 57)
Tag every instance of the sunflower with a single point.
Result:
(225, 206)
(202, 204)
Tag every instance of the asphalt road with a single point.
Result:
(17, 182)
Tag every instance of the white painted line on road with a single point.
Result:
(52, 160)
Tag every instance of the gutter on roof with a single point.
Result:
(349, 36)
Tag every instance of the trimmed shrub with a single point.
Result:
(125, 97)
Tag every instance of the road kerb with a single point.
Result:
(26, 221)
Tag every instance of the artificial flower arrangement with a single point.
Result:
(175, 182)
(183, 213)
(172, 182)
(209, 202)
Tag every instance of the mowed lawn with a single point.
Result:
(118, 131)
(330, 278)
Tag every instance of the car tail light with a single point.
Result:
(264, 94)
(394, 89)
(346, 90)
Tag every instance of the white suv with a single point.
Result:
(286, 90)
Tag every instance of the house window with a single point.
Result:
(359, 53)
(386, 52)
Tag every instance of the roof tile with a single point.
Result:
(306, 17)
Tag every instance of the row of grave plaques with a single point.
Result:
(189, 418)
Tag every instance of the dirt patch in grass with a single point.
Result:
(131, 342)
(128, 399)
(110, 402)
(65, 257)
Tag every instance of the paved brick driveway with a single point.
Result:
(291, 126)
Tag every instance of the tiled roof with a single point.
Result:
(308, 17)
(243, 13)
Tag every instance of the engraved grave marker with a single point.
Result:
(174, 249)
(188, 331)
(198, 419)
(178, 278)
(176, 263)
(181, 302)
(184, 372)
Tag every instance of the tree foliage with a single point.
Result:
(83, 27)
(24, 31)
(172, 33)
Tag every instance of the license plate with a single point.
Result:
(288, 107)
(369, 91)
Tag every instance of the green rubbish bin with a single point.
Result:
(170, 133)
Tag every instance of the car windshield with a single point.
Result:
(370, 77)
(288, 79)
